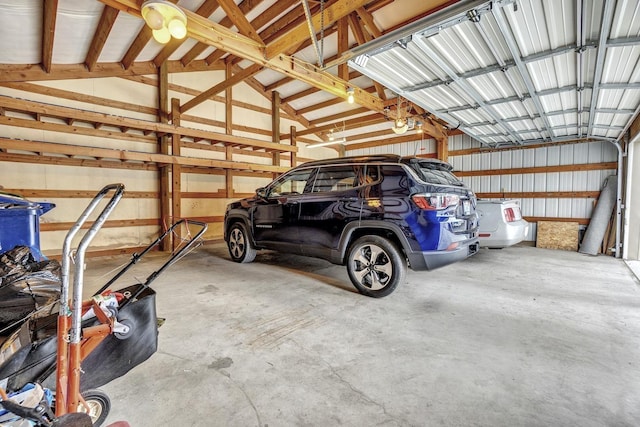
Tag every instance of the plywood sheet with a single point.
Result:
(557, 235)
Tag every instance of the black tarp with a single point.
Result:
(28, 288)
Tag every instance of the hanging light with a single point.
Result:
(400, 124)
(350, 95)
(331, 140)
(165, 19)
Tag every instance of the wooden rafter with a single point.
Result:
(260, 21)
(236, 15)
(245, 7)
(211, 33)
(207, 8)
(363, 36)
(107, 19)
(257, 86)
(50, 9)
(300, 33)
(237, 78)
(136, 47)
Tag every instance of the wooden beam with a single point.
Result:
(74, 194)
(291, 113)
(49, 13)
(207, 8)
(541, 169)
(343, 46)
(32, 73)
(107, 19)
(367, 20)
(207, 94)
(206, 31)
(339, 116)
(347, 124)
(141, 40)
(75, 130)
(541, 195)
(81, 97)
(41, 159)
(128, 156)
(237, 16)
(118, 121)
(581, 221)
(300, 33)
(363, 37)
(245, 7)
(286, 22)
(313, 90)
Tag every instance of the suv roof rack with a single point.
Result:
(394, 158)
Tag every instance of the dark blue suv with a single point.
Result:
(374, 214)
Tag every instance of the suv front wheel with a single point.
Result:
(239, 244)
(375, 266)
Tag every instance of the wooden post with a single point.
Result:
(275, 126)
(228, 118)
(442, 148)
(176, 172)
(294, 155)
(164, 170)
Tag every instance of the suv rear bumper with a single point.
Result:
(430, 260)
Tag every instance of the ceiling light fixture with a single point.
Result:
(327, 143)
(350, 95)
(165, 19)
(400, 124)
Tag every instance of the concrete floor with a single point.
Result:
(513, 337)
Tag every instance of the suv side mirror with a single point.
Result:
(261, 192)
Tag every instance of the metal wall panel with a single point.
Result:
(551, 155)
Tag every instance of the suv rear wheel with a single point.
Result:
(375, 266)
(239, 245)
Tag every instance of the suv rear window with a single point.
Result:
(436, 173)
(340, 178)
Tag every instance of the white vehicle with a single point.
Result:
(500, 223)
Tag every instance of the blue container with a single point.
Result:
(20, 223)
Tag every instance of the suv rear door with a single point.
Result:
(330, 204)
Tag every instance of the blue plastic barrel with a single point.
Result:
(20, 223)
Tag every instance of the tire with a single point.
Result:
(239, 244)
(376, 266)
(97, 406)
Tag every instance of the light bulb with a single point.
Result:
(162, 35)
(153, 17)
(177, 28)
(350, 98)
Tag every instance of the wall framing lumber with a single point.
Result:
(129, 156)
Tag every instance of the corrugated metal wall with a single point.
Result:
(552, 155)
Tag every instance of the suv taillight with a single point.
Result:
(431, 202)
(509, 215)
